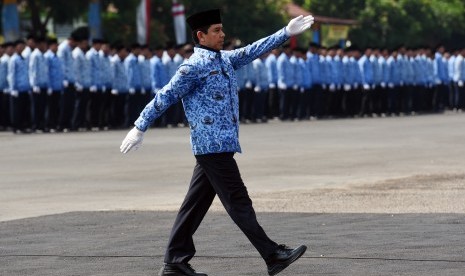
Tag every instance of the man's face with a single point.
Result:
(20, 47)
(214, 38)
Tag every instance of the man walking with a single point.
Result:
(206, 83)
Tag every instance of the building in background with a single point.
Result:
(326, 30)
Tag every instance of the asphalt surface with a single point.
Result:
(71, 204)
(132, 243)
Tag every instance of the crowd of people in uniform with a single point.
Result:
(69, 86)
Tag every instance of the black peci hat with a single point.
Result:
(204, 18)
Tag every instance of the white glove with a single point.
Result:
(272, 86)
(391, 85)
(49, 91)
(93, 89)
(332, 87)
(302, 90)
(383, 85)
(366, 87)
(295, 87)
(65, 83)
(356, 86)
(248, 84)
(346, 87)
(114, 92)
(460, 83)
(373, 86)
(282, 86)
(299, 24)
(133, 140)
(142, 91)
(257, 89)
(14, 93)
(104, 88)
(323, 86)
(79, 87)
(36, 89)
(132, 91)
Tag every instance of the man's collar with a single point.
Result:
(206, 48)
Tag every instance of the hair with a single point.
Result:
(202, 29)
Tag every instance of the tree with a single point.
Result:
(390, 23)
(41, 11)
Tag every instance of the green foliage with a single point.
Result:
(243, 19)
(383, 23)
(389, 23)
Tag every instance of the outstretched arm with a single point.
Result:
(247, 54)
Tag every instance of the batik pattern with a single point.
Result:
(207, 85)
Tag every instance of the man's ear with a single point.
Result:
(200, 35)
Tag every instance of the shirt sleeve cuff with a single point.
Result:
(141, 124)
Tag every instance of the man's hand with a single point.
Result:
(132, 140)
(299, 24)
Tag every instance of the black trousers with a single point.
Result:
(215, 174)
(39, 105)
(80, 109)
(67, 99)
(20, 111)
(53, 110)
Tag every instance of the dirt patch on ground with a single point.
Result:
(443, 193)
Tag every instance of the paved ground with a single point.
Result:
(369, 196)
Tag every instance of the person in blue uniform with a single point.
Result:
(261, 85)
(38, 77)
(285, 82)
(159, 77)
(94, 100)
(55, 84)
(4, 91)
(82, 73)
(119, 93)
(206, 83)
(106, 85)
(19, 88)
(272, 108)
(134, 81)
(366, 67)
(68, 94)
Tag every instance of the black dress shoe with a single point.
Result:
(179, 270)
(283, 257)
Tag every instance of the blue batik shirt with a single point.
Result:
(38, 69)
(65, 54)
(55, 71)
(106, 73)
(272, 69)
(260, 74)
(95, 67)
(314, 60)
(3, 73)
(18, 74)
(285, 72)
(120, 77)
(146, 79)
(366, 67)
(306, 75)
(207, 85)
(82, 68)
(158, 72)
(133, 70)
